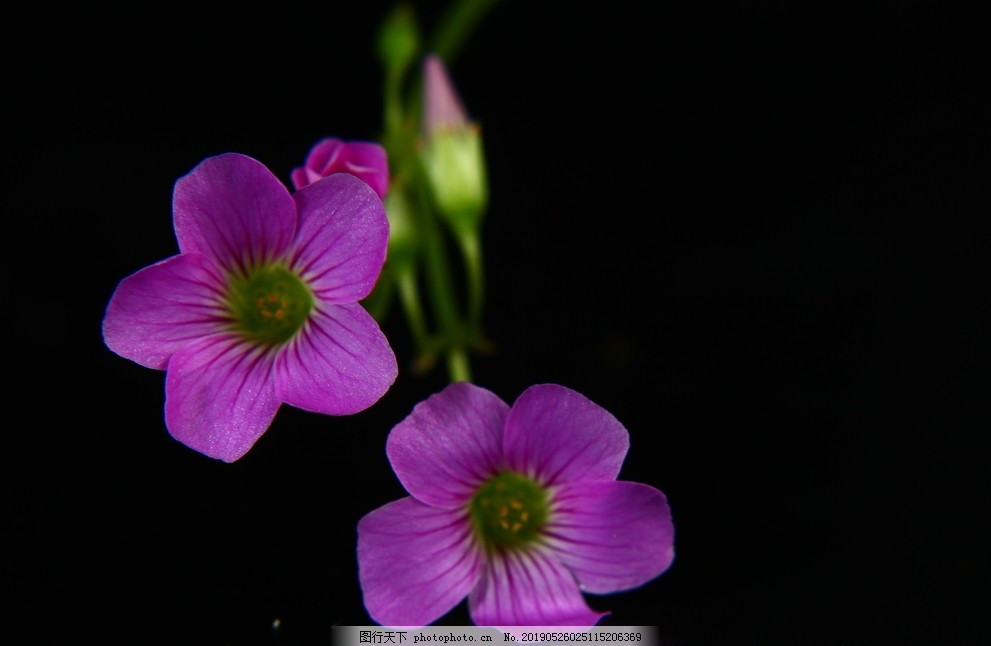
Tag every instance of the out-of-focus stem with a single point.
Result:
(456, 25)
(409, 293)
(471, 252)
(457, 365)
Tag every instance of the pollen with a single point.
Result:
(268, 304)
(509, 511)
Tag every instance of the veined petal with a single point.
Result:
(529, 588)
(343, 235)
(220, 396)
(233, 209)
(340, 362)
(556, 435)
(449, 445)
(612, 535)
(415, 562)
(162, 308)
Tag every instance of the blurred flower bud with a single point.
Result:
(365, 160)
(452, 152)
(398, 39)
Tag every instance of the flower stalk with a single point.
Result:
(438, 190)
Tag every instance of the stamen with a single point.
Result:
(509, 511)
(268, 304)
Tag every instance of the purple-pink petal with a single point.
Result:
(529, 588)
(234, 210)
(219, 396)
(368, 162)
(342, 239)
(325, 156)
(449, 445)
(340, 362)
(302, 176)
(365, 160)
(612, 535)
(442, 107)
(415, 562)
(161, 308)
(557, 435)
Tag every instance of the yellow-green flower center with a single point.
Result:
(509, 511)
(268, 304)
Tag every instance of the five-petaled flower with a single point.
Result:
(516, 508)
(260, 306)
(365, 160)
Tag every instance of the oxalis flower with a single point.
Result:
(516, 508)
(260, 306)
(365, 160)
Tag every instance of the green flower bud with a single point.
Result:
(452, 154)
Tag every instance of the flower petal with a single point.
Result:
(162, 308)
(340, 363)
(324, 156)
(556, 435)
(234, 210)
(415, 562)
(302, 176)
(529, 588)
(342, 240)
(219, 396)
(368, 162)
(611, 535)
(442, 106)
(449, 444)
(365, 160)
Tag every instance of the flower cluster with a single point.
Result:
(516, 508)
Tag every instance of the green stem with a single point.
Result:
(471, 251)
(377, 303)
(456, 25)
(409, 293)
(393, 104)
(440, 286)
(457, 365)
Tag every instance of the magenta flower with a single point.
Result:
(365, 160)
(260, 306)
(516, 508)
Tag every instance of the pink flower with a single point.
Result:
(516, 508)
(260, 306)
(365, 160)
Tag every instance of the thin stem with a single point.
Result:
(471, 251)
(393, 102)
(409, 294)
(457, 365)
(456, 25)
(440, 286)
(378, 302)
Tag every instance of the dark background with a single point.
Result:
(750, 231)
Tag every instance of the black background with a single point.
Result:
(750, 231)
